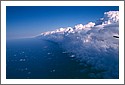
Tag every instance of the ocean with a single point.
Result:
(34, 58)
(40, 59)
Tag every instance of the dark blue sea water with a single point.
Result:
(40, 59)
(35, 58)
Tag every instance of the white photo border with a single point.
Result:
(62, 81)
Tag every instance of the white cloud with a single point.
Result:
(93, 44)
(109, 17)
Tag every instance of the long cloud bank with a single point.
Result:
(95, 45)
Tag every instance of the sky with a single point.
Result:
(28, 21)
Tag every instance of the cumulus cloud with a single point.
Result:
(93, 45)
(109, 17)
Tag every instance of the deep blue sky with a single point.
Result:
(27, 21)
